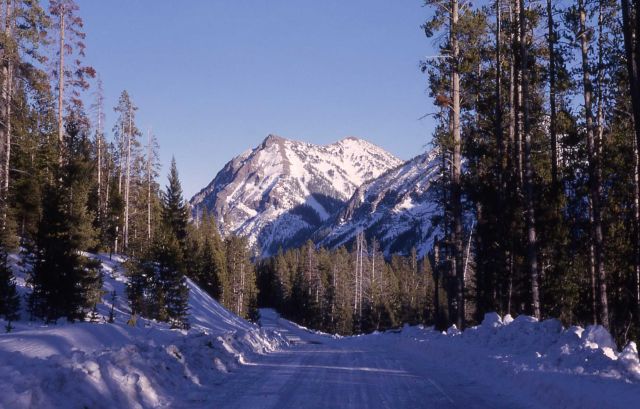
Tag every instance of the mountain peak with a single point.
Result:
(272, 139)
(282, 190)
(355, 141)
(352, 138)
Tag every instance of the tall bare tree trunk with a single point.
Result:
(99, 151)
(127, 183)
(532, 252)
(355, 292)
(456, 199)
(512, 96)
(502, 160)
(519, 35)
(498, 91)
(592, 271)
(361, 277)
(594, 165)
(7, 91)
(61, 84)
(551, 41)
(149, 179)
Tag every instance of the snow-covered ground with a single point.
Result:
(510, 364)
(102, 365)
(226, 362)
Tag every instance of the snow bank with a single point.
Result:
(101, 365)
(575, 366)
(546, 345)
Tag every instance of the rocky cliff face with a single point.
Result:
(282, 191)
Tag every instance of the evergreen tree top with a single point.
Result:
(174, 188)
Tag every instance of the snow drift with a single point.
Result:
(557, 366)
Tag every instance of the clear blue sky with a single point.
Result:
(213, 78)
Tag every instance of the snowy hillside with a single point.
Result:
(396, 209)
(281, 191)
(102, 365)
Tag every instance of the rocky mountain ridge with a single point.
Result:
(282, 191)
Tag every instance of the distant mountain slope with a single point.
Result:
(280, 192)
(396, 209)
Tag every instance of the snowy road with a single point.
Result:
(322, 372)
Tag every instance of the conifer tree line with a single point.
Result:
(349, 291)
(538, 126)
(68, 187)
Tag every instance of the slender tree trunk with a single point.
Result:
(99, 149)
(361, 276)
(592, 269)
(121, 154)
(456, 205)
(512, 96)
(436, 280)
(501, 160)
(510, 286)
(502, 166)
(7, 91)
(61, 83)
(594, 165)
(127, 183)
(532, 256)
(498, 91)
(7, 155)
(519, 34)
(512, 155)
(4, 104)
(149, 178)
(355, 292)
(241, 286)
(551, 41)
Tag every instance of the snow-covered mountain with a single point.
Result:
(396, 209)
(282, 191)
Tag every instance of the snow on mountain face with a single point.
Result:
(395, 208)
(283, 190)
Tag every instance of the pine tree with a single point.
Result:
(141, 273)
(157, 285)
(66, 283)
(152, 203)
(57, 268)
(9, 298)
(207, 258)
(168, 257)
(174, 208)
